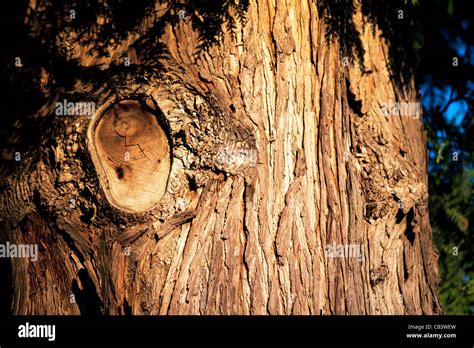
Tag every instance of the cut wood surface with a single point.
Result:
(132, 154)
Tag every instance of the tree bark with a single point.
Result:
(278, 152)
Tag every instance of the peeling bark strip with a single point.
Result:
(319, 163)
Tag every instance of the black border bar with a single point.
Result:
(243, 330)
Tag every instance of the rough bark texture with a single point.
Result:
(278, 150)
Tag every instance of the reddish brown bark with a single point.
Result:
(271, 164)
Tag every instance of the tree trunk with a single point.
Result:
(283, 187)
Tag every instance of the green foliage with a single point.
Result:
(338, 17)
(451, 209)
(456, 289)
(443, 31)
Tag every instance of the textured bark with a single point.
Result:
(278, 150)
